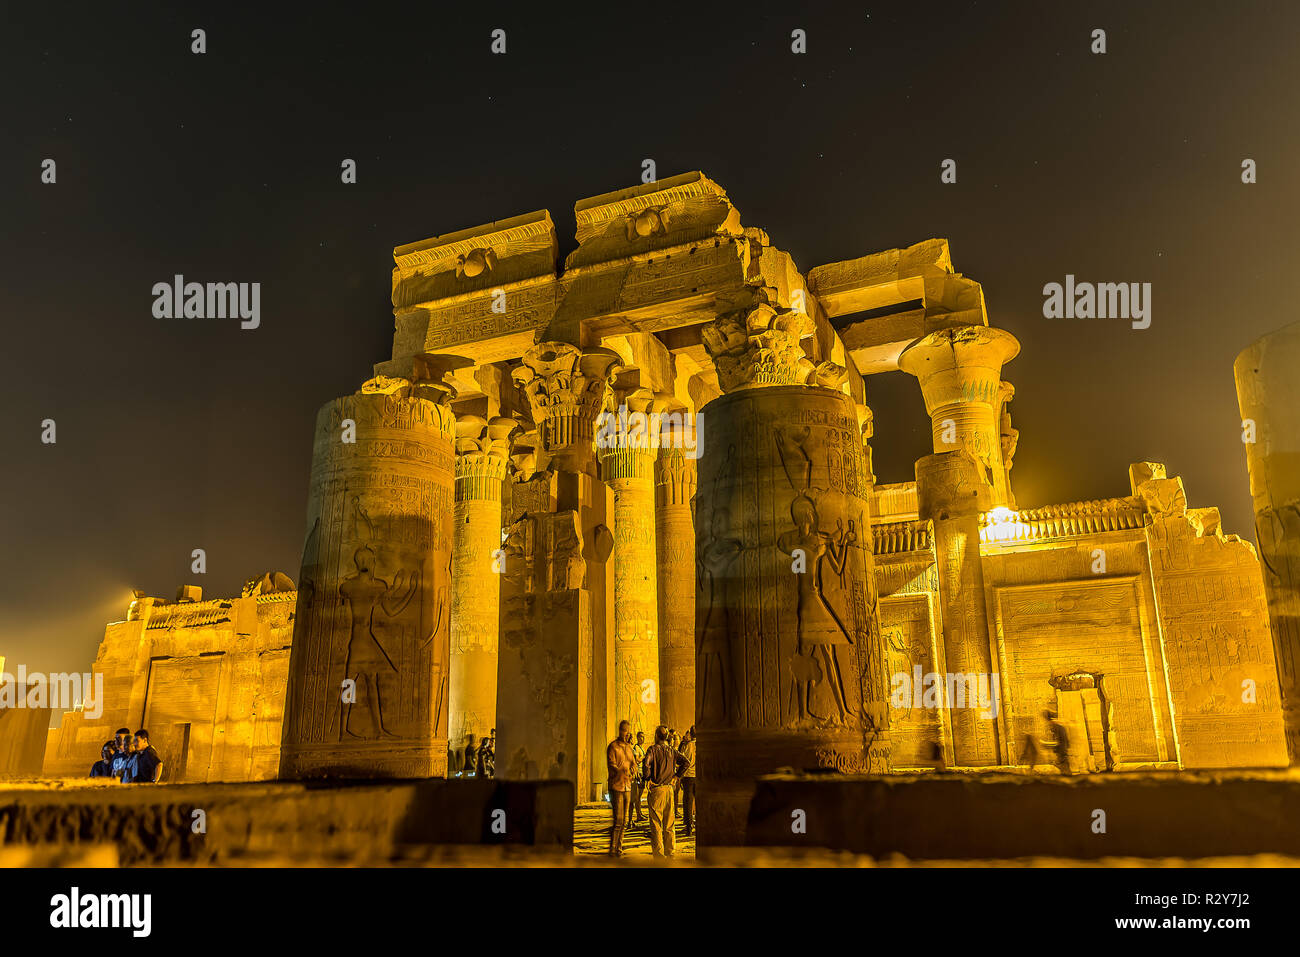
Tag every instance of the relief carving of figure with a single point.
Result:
(815, 667)
(368, 664)
(719, 698)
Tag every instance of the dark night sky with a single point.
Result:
(178, 434)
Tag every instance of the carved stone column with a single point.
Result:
(557, 660)
(628, 446)
(785, 603)
(952, 490)
(675, 543)
(1268, 391)
(482, 450)
(1009, 437)
(960, 372)
(367, 687)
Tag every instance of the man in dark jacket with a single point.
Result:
(145, 766)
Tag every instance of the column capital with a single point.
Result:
(960, 365)
(567, 388)
(759, 346)
(482, 452)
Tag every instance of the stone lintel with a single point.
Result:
(670, 212)
(482, 257)
(643, 294)
(879, 279)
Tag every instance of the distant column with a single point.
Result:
(1268, 391)
(675, 543)
(627, 454)
(367, 687)
(960, 372)
(482, 451)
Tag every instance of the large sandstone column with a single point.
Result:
(1268, 391)
(960, 372)
(786, 602)
(952, 491)
(675, 542)
(367, 689)
(627, 447)
(482, 451)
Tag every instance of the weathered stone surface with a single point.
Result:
(289, 822)
(675, 543)
(23, 732)
(205, 678)
(788, 663)
(368, 676)
(482, 452)
(1159, 814)
(1268, 391)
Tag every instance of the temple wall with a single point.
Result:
(1145, 597)
(206, 679)
(1222, 671)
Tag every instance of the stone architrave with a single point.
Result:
(368, 673)
(960, 372)
(482, 453)
(789, 665)
(1268, 392)
(675, 544)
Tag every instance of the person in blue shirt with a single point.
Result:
(122, 754)
(145, 766)
(103, 768)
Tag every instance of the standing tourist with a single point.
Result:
(688, 781)
(662, 767)
(619, 758)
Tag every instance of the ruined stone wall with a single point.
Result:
(1141, 595)
(1053, 616)
(206, 679)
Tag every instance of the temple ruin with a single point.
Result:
(640, 487)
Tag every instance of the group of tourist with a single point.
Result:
(474, 761)
(129, 758)
(664, 775)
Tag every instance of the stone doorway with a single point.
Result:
(1085, 722)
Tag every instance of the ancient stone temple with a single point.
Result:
(639, 486)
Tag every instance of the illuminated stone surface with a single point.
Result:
(482, 449)
(368, 675)
(1268, 390)
(1119, 635)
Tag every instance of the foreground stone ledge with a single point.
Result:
(301, 822)
(1005, 815)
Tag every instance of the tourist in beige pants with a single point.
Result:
(662, 767)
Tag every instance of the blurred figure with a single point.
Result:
(485, 762)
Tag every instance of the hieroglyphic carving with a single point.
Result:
(482, 452)
(567, 389)
(759, 347)
(786, 603)
(675, 544)
(369, 670)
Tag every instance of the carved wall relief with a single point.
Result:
(368, 677)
